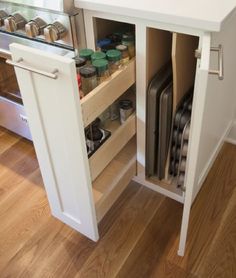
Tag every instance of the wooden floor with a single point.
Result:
(139, 236)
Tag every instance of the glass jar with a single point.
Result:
(115, 37)
(113, 57)
(98, 55)
(126, 109)
(79, 63)
(103, 43)
(88, 79)
(128, 40)
(86, 53)
(124, 53)
(102, 70)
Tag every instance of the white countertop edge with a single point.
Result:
(211, 26)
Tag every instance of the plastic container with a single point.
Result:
(124, 53)
(101, 69)
(113, 57)
(98, 55)
(86, 53)
(88, 79)
(129, 41)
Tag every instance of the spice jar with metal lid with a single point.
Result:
(86, 53)
(113, 57)
(98, 55)
(129, 41)
(126, 109)
(79, 63)
(102, 70)
(124, 53)
(88, 78)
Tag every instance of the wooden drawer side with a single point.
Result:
(93, 104)
(112, 147)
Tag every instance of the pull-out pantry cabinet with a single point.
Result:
(81, 190)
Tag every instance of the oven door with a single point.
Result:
(12, 112)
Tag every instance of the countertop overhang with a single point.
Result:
(205, 15)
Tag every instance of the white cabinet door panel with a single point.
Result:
(191, 178)
(220, 100)
(55, 120)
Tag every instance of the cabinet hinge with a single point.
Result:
(198, 53)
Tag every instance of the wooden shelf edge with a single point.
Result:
(94, 103)
(120, 183)
(169, 190)
(103, 156)
(114, 178)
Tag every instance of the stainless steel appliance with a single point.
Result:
(53, 25)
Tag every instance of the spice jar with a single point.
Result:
(113, 57)
(98, 55)
(81, 94)
(109, 47)
(86, 53)
(115, 37)
(103, 43)
(128, 40)
(126, 109)
(88, 78)
(79, 63)
(102, 70)
(124, 53)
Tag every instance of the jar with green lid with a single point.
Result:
(113, 57)
(129, 41)
(124, 53)
(88, 78)
(98, 55)
(86, 53)
(102, 70)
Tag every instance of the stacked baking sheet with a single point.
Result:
(180, 138)
(166, 134)
(159, 121)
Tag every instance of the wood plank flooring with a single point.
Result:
(139, 235)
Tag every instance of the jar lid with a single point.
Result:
(87, 71)
(100, 65)
(103, 42)
(113, 55)
(98, 55)
(125, 104)
(128, 37)
(122, 47)
(80, 61)
(86, 53)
